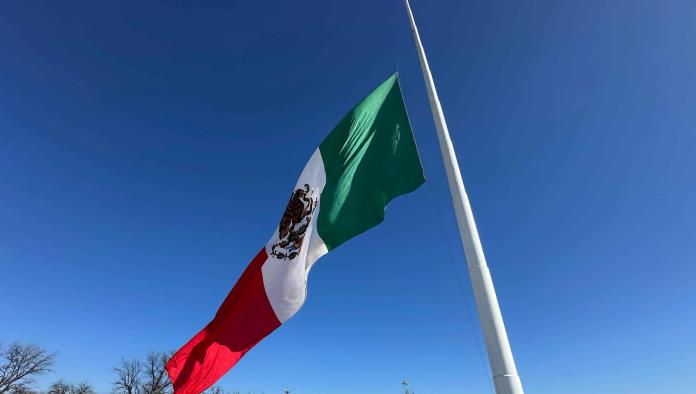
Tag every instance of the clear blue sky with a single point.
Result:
(147, 152)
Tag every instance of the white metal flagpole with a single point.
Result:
(505, 376)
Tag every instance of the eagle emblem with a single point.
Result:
(294, 223)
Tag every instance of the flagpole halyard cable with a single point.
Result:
(467, 305)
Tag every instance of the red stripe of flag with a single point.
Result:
(243, 320)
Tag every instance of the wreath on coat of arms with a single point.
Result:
(294, 224)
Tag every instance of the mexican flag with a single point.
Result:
(368, 159)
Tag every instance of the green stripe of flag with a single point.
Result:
(369, 158)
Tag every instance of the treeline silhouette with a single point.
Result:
(21, 364)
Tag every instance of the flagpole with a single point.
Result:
(505, 376)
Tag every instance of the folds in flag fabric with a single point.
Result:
(368, 159)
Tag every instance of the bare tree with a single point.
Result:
(82, 388)
(156, 379)
(20, 365)
(60, 387)
(215, 390)
(24, 390)
(128, 381)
